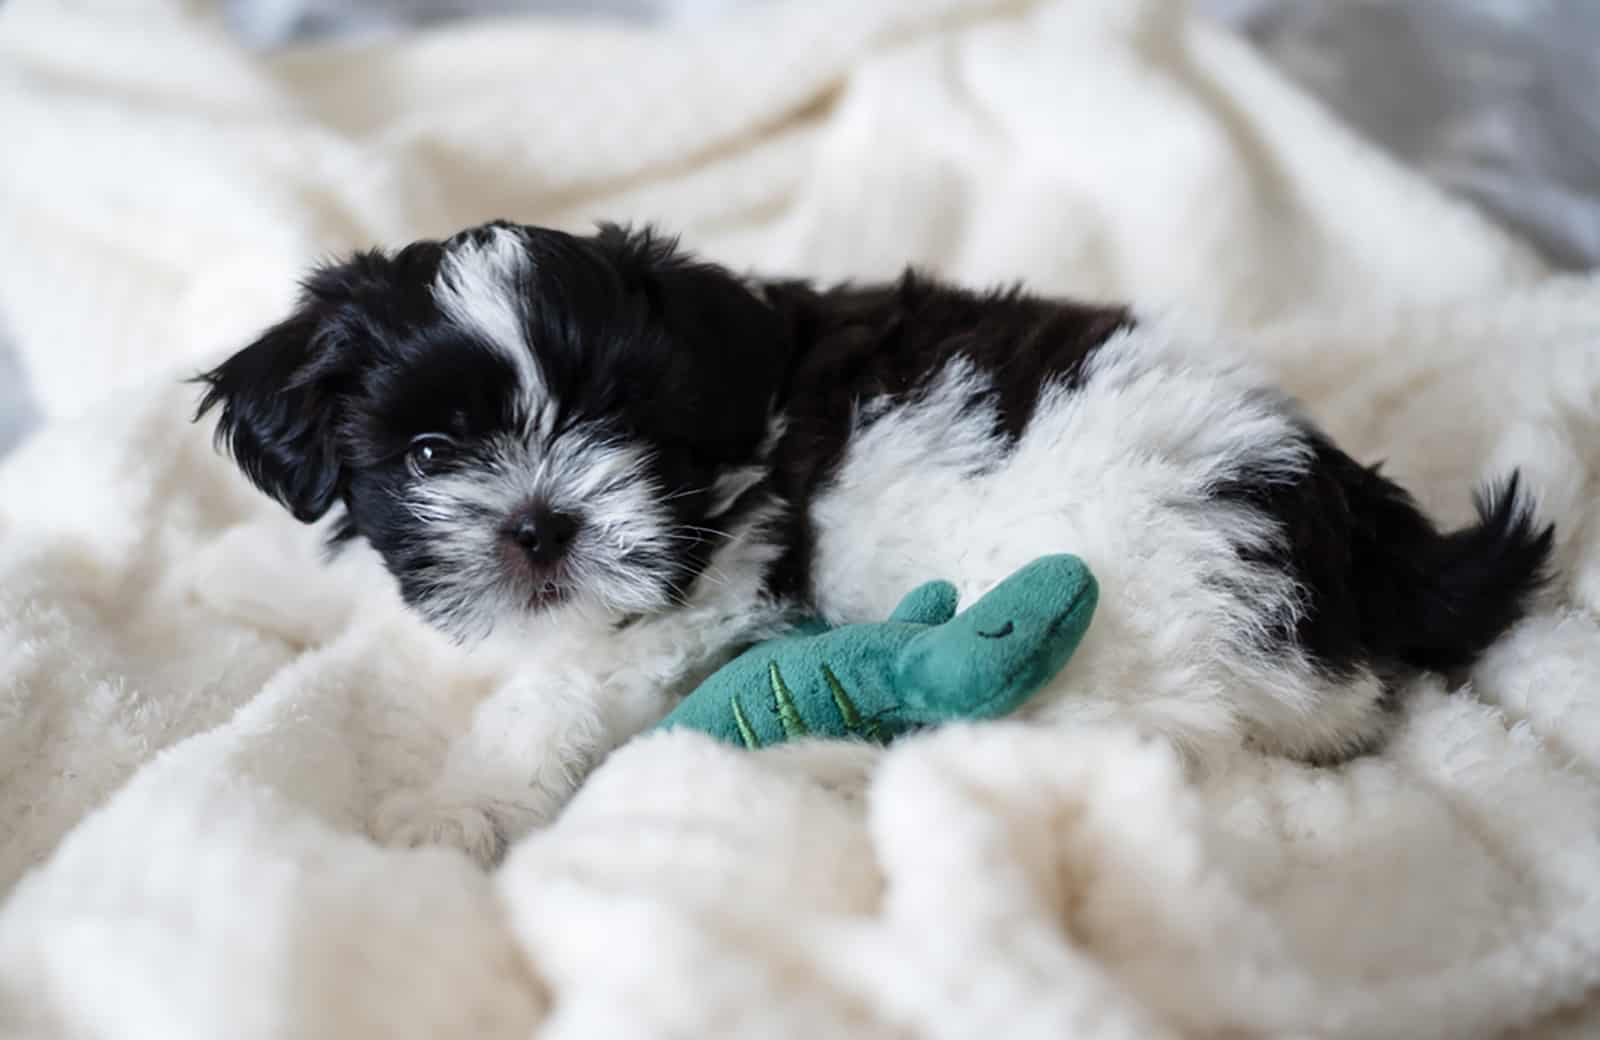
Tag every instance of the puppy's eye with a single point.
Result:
(430, 453)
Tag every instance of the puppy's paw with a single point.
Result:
(413, 819)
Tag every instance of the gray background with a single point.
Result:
(1496, 100)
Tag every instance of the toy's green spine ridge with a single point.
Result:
(793, 725)
(848, 712)
(746, 733)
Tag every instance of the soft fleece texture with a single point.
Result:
(922, 666)
(196, 718)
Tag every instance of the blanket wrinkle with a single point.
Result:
(200, 718)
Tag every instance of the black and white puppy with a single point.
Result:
(635, 461)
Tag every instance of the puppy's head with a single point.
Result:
(517, 419)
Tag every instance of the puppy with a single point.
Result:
(631, 462)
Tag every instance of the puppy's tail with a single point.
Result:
(1459, 592)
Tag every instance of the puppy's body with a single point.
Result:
(638, 462)
(1264, 587)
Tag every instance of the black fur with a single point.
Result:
(285, 399)
(1383, 587)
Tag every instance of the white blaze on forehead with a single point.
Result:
(480, 288)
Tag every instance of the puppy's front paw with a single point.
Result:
(412, 819)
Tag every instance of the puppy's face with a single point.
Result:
(517, 419)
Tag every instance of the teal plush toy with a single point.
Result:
(925, 665)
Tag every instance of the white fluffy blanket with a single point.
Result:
(197, 718)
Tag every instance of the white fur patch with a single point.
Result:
(1118, 471)
(480, 288)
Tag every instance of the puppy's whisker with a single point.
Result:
(714, 576)
(711, 531)
(685, 493)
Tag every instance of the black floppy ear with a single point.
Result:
(729, 349)
(278, 399)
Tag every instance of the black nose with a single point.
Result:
(543, 533)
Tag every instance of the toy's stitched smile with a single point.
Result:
(999, 633)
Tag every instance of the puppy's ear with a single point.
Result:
(278, 401)
(729, 350)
